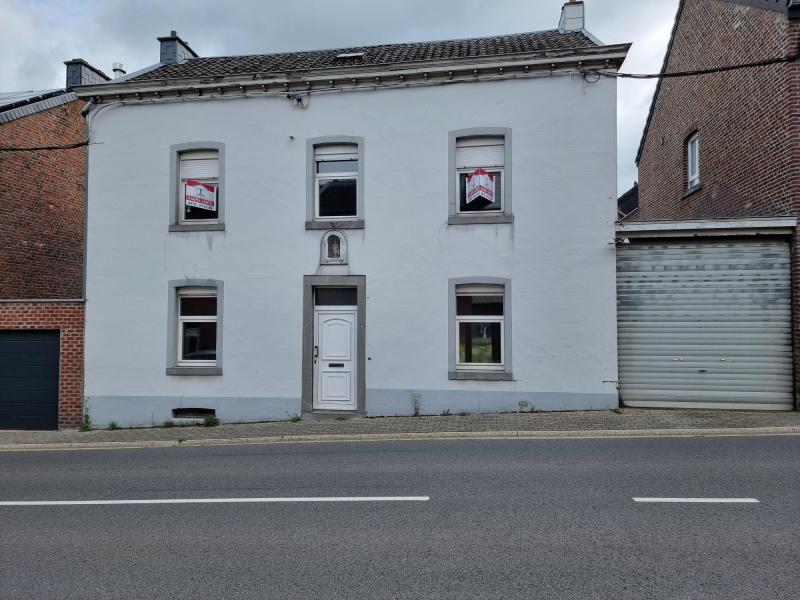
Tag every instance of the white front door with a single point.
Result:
(335, 358)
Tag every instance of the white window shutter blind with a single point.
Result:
(480, 289)
(480, 152)
(199, 165)
(336, 152)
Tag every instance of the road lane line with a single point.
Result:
(700, 500)
(217, 500)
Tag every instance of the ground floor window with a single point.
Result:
(197, 327)
(480, 324)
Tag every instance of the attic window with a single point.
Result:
(346, 55)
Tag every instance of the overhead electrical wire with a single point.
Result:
(599, 73)
(37, 148)
(695, 72)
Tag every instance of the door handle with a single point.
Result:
(316, 351)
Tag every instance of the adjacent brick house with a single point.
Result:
(719, 193)
(42, 192)
(745, 115)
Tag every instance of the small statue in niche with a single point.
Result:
(334, 247)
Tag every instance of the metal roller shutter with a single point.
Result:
(29, 379)
(705, 324)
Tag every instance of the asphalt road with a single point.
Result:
(505, 519)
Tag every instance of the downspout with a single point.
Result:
(84, 112)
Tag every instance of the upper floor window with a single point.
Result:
(198, 187)
(693, 161)
(336, 181)
(480, 163)
(479, 176)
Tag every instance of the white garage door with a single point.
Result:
(705, 324)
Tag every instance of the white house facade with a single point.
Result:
(391, 230)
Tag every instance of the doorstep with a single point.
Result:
(336, 415)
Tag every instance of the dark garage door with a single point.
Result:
(29, 379)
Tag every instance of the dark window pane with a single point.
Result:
(479, 305)
(480, 204)
(337, 198)
(337, 166)
(194, 213)
(199, 341)
(198, 307)
(479, 343)
(336, 297)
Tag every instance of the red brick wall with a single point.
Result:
(746, 166)
(42, 200)
(68, 317)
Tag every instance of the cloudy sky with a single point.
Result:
(36, 36)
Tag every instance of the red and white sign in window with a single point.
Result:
(480, 184)
(200, 195)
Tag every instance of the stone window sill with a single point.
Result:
(481, 375)
(355, 224)
(479, 219)
(691, 191)
(203, 371)
(197, 227)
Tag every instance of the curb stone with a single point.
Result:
(393, 437)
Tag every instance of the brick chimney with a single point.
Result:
(174, 50)
(80, 72)
(572, 16)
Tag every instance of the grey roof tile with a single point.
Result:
(385, 54)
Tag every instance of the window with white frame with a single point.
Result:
(198, 187)
(336, 181)
(693, 160)
(480, 324)
(197, 327)
(480, 162)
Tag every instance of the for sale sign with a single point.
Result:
(200, 195)
(480, 184)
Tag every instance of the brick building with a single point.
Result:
(42, 192)
(708, 263)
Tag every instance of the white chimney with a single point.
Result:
(119, 70)
(572, 16)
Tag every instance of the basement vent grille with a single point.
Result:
(192, 413)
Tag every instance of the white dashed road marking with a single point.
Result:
(217, 500)
(700, 500)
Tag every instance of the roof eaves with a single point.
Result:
(57, 99)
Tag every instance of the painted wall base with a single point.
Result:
(149, 411)
(387, 403)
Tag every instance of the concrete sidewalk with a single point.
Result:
(626, 422)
